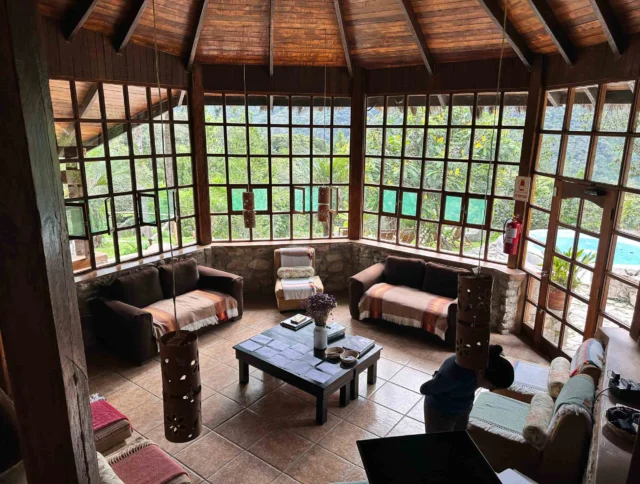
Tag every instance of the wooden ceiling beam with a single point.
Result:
(196, 35)
(127, 28)
(418, 35)
(77, 16)
(552, 26)
(610, 26)
(516, 41)
(343, 36)
(89, 99)
(272, 14)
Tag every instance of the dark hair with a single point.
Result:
(500, 371)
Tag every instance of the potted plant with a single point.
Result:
(560, 273)
(319, 307)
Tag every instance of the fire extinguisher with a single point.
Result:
(512, 232)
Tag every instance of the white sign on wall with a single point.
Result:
(521, 190)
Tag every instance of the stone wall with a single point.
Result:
(335, 263)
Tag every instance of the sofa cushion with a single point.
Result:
(186, 277)
(296, 272)
(406, 306)
(441, 279)
(316, 282)
(403, 271)
(500, 415)
(195, 309)
(139, 288)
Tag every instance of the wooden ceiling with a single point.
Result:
(366, 33)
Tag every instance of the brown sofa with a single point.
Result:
(128, 329)
(422, 280)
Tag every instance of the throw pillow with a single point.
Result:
(139, 289)
(538, 419)
(558, 375)
(186, 277)
(442, 280)
(403, 271)
(295, 272)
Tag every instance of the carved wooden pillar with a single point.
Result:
(473, 327)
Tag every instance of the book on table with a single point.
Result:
(296, 322)
(359, 344)
(335, 331)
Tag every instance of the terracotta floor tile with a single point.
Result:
(217, 409)
(342, 441)
(387, 368)
(407, 426)
(417, 412)
(209, 454)
(342, 412)
(410, 379)
(308, 428)
(195, 478)
(364, 389)
(426, 365)
(136, 373)
(245, 469)
(107, 383)
(246, 428)
(157, 436)
(395, 397)
(374, 418)
(246, 394)
(147, 417)
(206, 392)
(221, 351)
(396, 354)
(260, 375)
(151, 381)
(219, 376)
(242, 335)
(296, 392)
(279, 405)
(356, 475)
(128, 397)
(280, 448)
(285, 479)
(319, 466)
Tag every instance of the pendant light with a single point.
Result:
(248, 197)
(473, 324)
(181, 388)
(324, 192)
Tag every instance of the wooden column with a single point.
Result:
(199, 143)
(529, 143)
(356, 171)
(40, 322)
(5, 385)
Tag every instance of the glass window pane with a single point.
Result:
(569, 211)
(236, 140)
(374, 141)
(502, 210)
(476, 212)
(391, 172)
(488, 110)
(459, 143)
(372, 170)
(257, 109)
(301, 226)
(450, 237)
(433, 174)
(530, 314)
(321, 141)
(281, 226)
(515, 108)
(456, 176)
(280, 170)
(430, 206)
(577, 313)
(220, 227)
(279, 110)
(555, 106)
(218, 199)
(413, 142)
(606, 167)
(461, 113)
(217, 170)
(120, 175)
(258, 140)
(322, 111)
(118, 140)
(542, 191)
(93, 140)
(510, 145)
(301, 170)
(551, 329)
(124, 211)
(416, 109)
(61, 99)
(215, 140)
(484, 144)
(182, 139)
(185, 174)
(375, 108)
(474, 242)
(71, 176)
(103, 250)
(587, 249)
(280, 199)
(571, 340)
(626, 258)
(370, 226)
(301, 110)
(633, 176)
(321, 171)
(389, 201)
(393, 141)
(538, 225)
(96, 174)
(408, 231)
(185, 199)
(591, 216)
(428, 238)
(262, 231)
(506, 180)
(301, 141)
(534, 257)
(238, 231)
(395, 110)
(371, 199)
(188, 231)
(340, 170)
(235, 109)
(280, 141)
(144, 174)
(453, 208)
(411, 175)
(128, 244)
(438, 109)
(410, 204)
(436, 143)
(618, 97)
(76, 221)
(342, 111)
(548, 155)
(212, 107)
(238, 170)
(575, 162)
(481, 178)
(585, 100)
(259, 170)
(341, 141)
(620, 301)
(581, 281)
(629, 218)
(388, 229)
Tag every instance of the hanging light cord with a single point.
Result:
(496, 113)
(166, 180)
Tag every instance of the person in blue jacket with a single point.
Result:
(449, 394)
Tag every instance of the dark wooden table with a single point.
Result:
(345, 379)
(443, 457)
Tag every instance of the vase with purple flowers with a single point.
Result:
(319, 307)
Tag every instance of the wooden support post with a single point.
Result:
(356, 172)
(535, 100)
(40, 321)
(5, 384)
(196, 103)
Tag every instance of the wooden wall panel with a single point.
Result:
(91, 56)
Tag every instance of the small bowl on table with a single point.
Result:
(349, 358)
(334, 353)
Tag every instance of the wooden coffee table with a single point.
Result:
(283, 354)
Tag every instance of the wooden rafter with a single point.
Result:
(272, 14)
(516, 41)
(89, 99)
(418, 35)
(551, 24)
(343, 36)
(78, 15)
(129, 25)
(196, 35)
(610, 26)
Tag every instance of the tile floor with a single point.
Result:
(266, 431)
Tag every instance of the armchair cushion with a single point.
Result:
(403, 271)
(139, 288)
(558, 375)
(576, 396)
(359, 284)
(220, 281)
(538, 419)
(500, 415)
(442, 280)
(186, 277)
(295, 272)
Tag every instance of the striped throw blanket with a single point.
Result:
(590, 352)
(406, 306)
(298, 288)
(195, 310)
(296, 256)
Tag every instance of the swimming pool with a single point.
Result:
(627, 251)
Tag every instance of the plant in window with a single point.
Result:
(560, 274)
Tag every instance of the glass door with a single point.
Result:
(568, 267)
